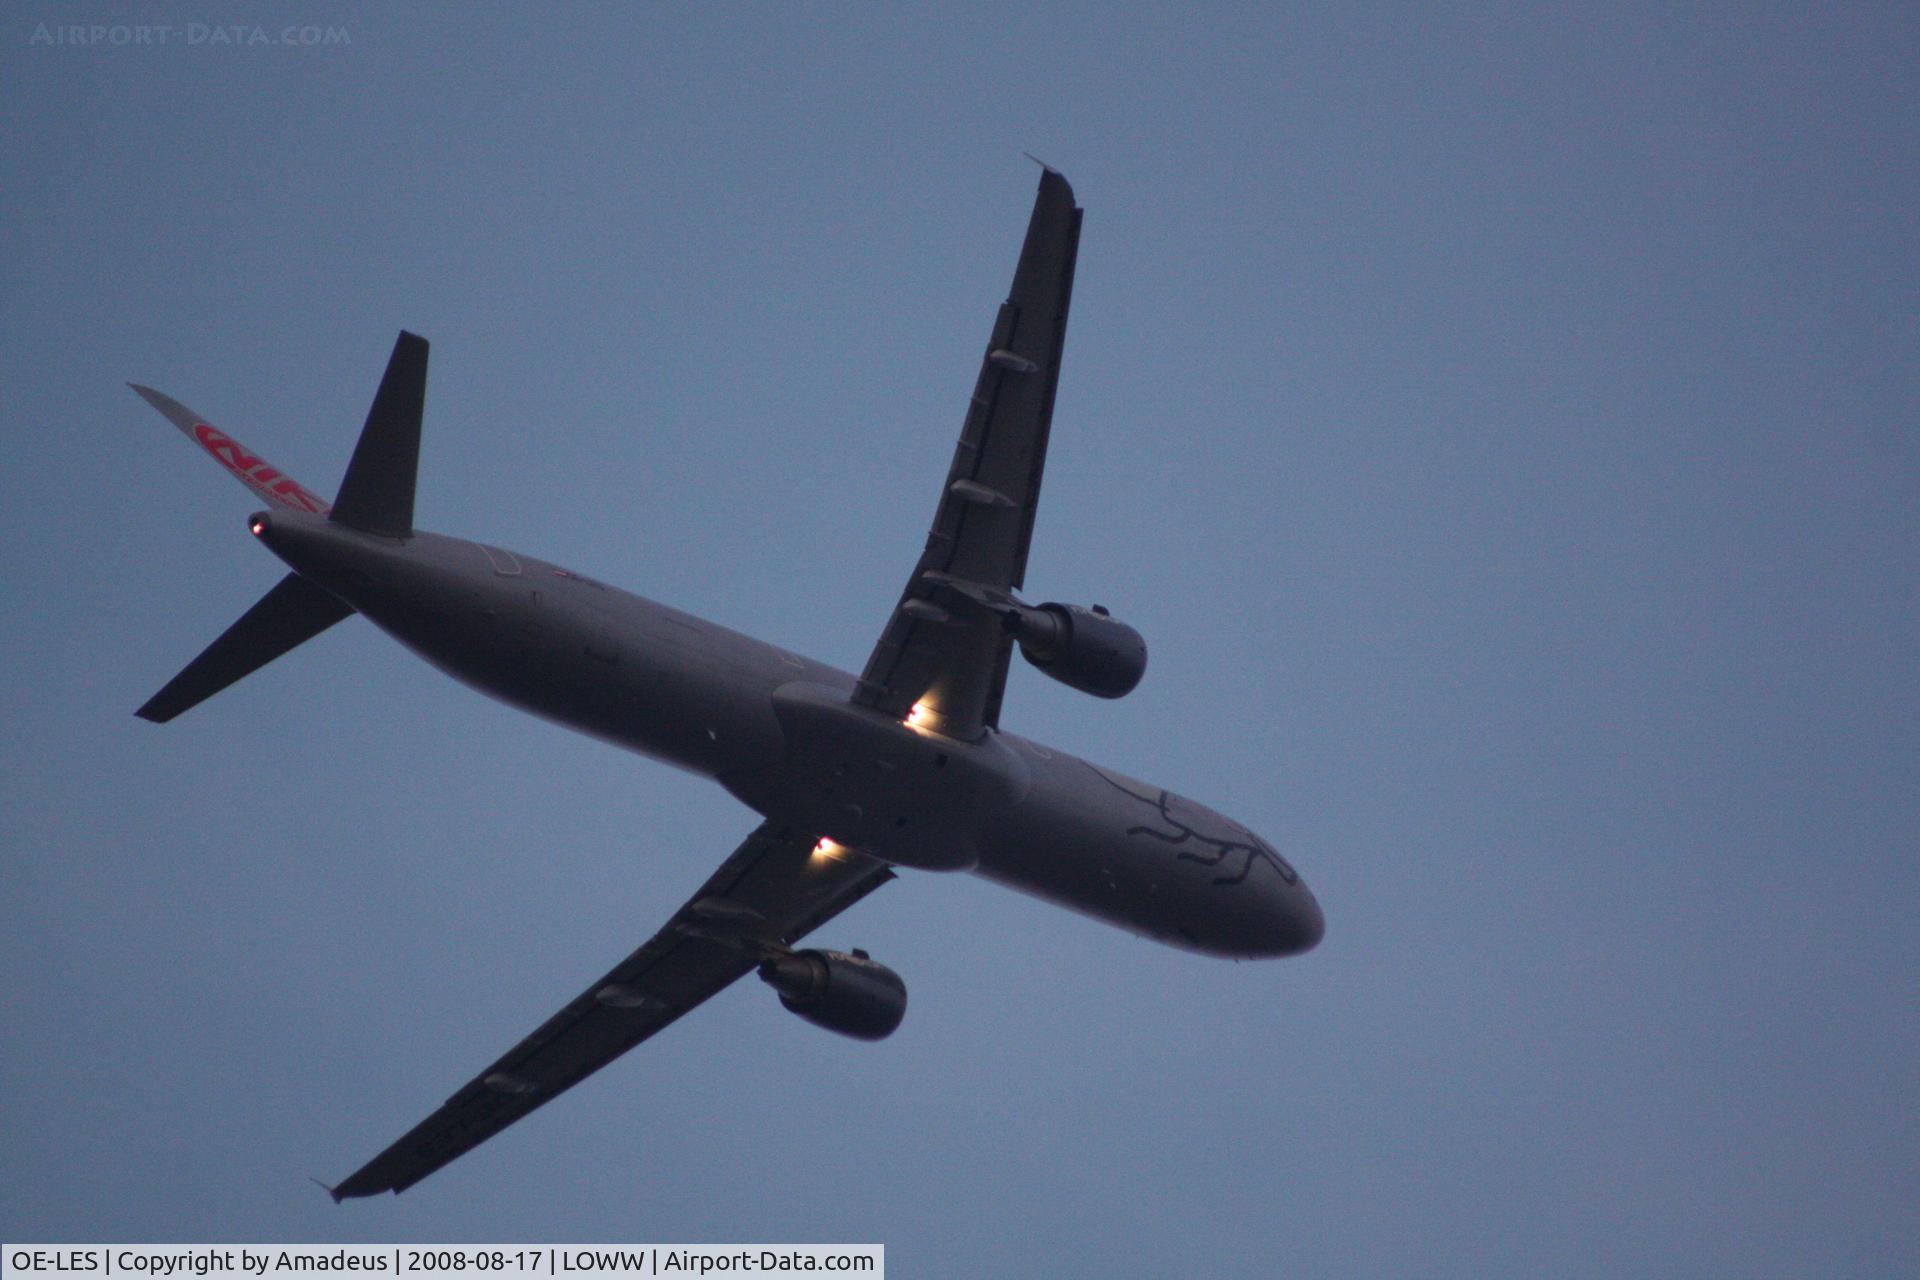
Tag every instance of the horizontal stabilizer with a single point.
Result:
(377, 494)
(246, 466)
(292, 612)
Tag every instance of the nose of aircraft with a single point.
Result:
(1302, 925)
(1278, 918)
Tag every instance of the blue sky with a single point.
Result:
(1500, 421)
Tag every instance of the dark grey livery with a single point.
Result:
(905, 765)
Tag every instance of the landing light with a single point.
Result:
(826, 851)
(921, 716)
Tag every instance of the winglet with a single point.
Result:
(377, 493)
(337, 1197)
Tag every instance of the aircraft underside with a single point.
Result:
(903, 765)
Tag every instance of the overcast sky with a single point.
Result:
(1501, 423)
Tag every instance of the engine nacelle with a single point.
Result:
(849, 994)
(1088, 649)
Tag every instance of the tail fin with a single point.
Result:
(246, 466)
(377, 494)
(293, 612)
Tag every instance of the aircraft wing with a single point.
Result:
(950, 660)
(772, 891)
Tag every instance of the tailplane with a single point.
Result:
(291, 613)
(375, 497)
(377, 493)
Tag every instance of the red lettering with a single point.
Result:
(225, 448)
(230, 454)
(296, 496)
(238, 458)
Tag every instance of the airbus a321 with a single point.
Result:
(903, 765)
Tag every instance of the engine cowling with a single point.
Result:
(850, 994)
(1086, 649)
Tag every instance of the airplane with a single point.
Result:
(903, 765)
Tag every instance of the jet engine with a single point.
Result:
(1086, 649)
(850, 994)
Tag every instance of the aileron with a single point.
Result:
(785, 891)
(955, 665)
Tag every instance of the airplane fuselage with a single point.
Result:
(779, 732)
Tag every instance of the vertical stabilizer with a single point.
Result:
(242, 463)
(377, 494)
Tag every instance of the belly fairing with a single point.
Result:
(872, 782)
(779, 732)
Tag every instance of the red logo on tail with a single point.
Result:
(232, 455)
